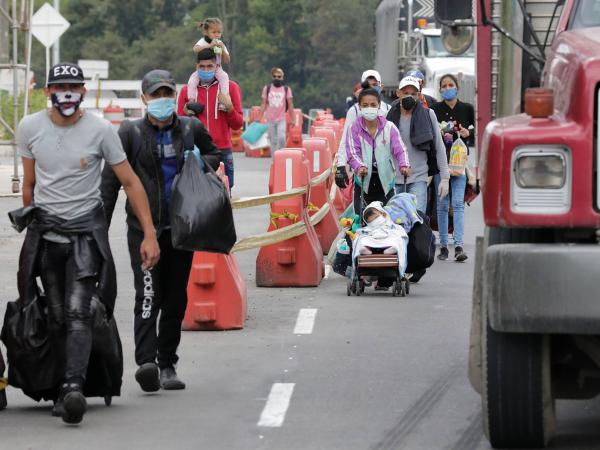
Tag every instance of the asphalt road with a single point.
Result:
(371, 372)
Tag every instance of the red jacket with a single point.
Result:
(218, 123)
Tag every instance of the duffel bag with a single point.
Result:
(421, 246)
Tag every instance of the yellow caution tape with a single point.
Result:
(250, 202)
(284, 215)
(3, 383)
(273, 237)
(321, 178)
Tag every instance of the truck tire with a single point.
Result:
(517, 399)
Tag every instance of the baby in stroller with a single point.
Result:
(379, 253)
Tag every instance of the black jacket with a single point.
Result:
(139, 141)
(79, 230)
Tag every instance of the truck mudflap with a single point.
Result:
(543, 288)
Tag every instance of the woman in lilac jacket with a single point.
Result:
(375, 151)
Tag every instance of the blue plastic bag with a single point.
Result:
(254, 132)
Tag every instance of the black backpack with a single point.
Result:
(421, 246)
(137, 142)
(285, 99)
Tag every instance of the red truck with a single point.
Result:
(535, 332)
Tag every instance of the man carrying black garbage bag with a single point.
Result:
(155, 147)
(66, 245)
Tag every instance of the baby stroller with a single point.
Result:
(378, 267)
(383, 268)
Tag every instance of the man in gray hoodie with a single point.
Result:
(426, 150)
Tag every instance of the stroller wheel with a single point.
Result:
(406, 284)
(396, 289)
(349, 288)
(108, 400)
(403, 288)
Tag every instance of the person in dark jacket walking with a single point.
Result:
(155, 148)
(62, 149)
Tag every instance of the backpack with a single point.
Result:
(286, 94)
(421, 246)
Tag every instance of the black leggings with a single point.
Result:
(68, 306)
(376, 193)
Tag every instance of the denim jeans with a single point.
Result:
(276, 132)
(226, 157)
(457, 191)
(419, 190)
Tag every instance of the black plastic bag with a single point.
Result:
(201, 214)
(34, 364)
(36, 359)
(421, 246)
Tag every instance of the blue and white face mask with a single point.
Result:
(206, 76)
(161, 108)
(449, 93)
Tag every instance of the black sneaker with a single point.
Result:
(74, 404)
(169, 380)
(147, 377)
(459, 254)
(443, 256)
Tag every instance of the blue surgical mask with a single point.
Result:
(449, 93)
(161, 108)
(206, 75)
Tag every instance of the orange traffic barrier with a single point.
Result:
(216, 293)
(237, 145)
(328, 134)
(319, 159)
(294, 130)
(254, 112)
(297, 261)
(335, 126)
(115, 115)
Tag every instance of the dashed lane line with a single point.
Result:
(278, 402)
(306, 321)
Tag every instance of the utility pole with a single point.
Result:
(10, 21)
(4, 27)
(56, 46)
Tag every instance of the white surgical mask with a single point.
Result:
(376, 223)
(369, 113)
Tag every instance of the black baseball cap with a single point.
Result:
(156, 79)
(65, 72)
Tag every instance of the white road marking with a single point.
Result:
(277, 405)
(306, 321)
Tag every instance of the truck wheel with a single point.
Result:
(518, 406)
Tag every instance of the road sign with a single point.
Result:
(94, 68)
(47, 25)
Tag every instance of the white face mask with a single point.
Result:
(66, 102)
(369, 113)
(376, 223)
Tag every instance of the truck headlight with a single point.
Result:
(540, 171)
